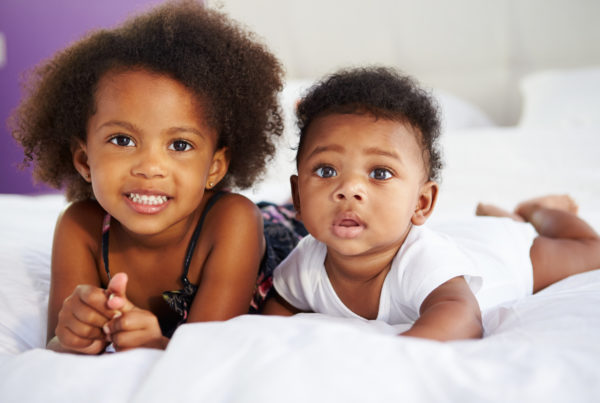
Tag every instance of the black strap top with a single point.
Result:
(178, 300)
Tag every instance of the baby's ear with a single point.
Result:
(80, 159)
(425, 203)
(295, 195)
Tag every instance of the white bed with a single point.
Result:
(542, 348)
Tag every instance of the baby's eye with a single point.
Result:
(326, 172)
(180, 145)
(380, 174)
(122, 141)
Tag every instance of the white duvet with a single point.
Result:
(543, 348)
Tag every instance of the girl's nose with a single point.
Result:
(150, 164)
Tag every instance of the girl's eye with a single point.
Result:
(122, 141)
(180, 145)
(380, 174)
(326, 172)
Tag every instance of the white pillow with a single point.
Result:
(458, 113)
(561, 99)
(25, 248)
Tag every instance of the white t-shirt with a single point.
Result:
(491, 253)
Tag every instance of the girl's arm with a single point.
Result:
(76, 305)
(228, 277)
(450, 312)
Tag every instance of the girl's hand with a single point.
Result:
(80, 321)
(131, 327)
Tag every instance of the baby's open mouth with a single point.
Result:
(348, 223)
(151, 200)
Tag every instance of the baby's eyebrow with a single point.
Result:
(326, 148)
(380, 151)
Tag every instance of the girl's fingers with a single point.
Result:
(72, 341)
(84, 322)
(117, 293)
(136, 319)
(135, 328)
(93, 297)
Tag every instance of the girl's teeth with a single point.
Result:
(147, 199)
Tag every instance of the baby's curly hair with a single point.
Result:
(224, 66)
(381, 92)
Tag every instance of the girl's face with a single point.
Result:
(361, 184)
(149, 153)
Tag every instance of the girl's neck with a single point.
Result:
(178, 234)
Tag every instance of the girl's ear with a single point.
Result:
(80, 160)
(295, 195)
(218, 167)
(425, 203)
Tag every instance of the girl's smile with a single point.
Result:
(147, 203)
(150, 152)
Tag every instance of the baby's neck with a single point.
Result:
(358, 281)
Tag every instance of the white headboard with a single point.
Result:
(476, 49)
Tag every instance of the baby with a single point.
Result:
(367, 165)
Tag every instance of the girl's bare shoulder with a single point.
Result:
(237, 209)
(82, 218)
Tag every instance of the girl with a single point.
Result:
(145, 126)
(367, 163)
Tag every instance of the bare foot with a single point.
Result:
(490, 210)
(557, 202)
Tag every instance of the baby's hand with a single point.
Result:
(131, 327)
(80, 320)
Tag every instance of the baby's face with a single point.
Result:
(361, 183)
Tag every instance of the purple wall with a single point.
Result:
(33, 30)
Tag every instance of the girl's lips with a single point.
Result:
(147, 203)
(150, 199)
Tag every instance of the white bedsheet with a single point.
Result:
(543, 348)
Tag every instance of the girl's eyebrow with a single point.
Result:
(185, 129)
(134, 128)
(120, 123)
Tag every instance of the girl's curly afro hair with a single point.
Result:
(381, 92)
(225, 67)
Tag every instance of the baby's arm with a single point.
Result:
(77, 303)
(450, 312)
(276, 305)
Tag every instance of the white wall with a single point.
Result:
(476, 49)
